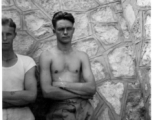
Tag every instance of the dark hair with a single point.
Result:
(9, 22)
(62, 15)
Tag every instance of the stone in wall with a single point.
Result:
(25, 4)
(134, 85)
(134, 109)
(97, 70)
(89, 45)
(148, 105)
(112, 92)
(145, 54)
(38, 25)
(121, 61)
(98, 67)
(145, 79)
(123, 1)
(147, 24)
(129, 14)
(82, 27)
(117, 7)
(15, 15)
(143, 3)
(49, 6)
(78, 5)
(23, 43)
(103, 15)
(107, 34)
(102, 2)
(104, 115)
(95, 101)
(124, 27)
(7, 3)
(136, 29)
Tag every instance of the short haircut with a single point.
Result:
(9, 22)
(62, 16)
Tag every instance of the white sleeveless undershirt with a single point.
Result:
(13, 77)
(13, 80)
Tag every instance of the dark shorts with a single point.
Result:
(71, 109)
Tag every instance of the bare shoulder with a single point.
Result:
(82, 55)
(46, 56)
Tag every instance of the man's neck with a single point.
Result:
(8, 55)
(65, 48)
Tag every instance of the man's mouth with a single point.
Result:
(5, 43)
(65, 37)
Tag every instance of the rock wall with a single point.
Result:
(116, 36)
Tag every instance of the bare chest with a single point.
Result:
(66, 63)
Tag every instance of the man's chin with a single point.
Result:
(5, 47)
(66, 40)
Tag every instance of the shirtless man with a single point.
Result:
(66, 75)
(19, 83)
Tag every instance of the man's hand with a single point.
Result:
(59, 84)
(63, 86)
(6, 105)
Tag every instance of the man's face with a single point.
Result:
(64, 31)
(8, 34)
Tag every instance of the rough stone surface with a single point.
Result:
(116, 36)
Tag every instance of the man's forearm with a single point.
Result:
(80, 93)
(19, 95)
(57, 93)
(14, 103)
(86, 89)
(7, 105)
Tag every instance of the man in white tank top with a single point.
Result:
(18, 77)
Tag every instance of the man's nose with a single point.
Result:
(4, 37)
(65, 31)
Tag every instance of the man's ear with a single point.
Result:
(73, 29)
(15, 35)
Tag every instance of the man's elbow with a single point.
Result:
(32, 97)
(46, 93)
(93, 89)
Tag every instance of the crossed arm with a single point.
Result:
(24, 97)
(86, 88)
(66, 90)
